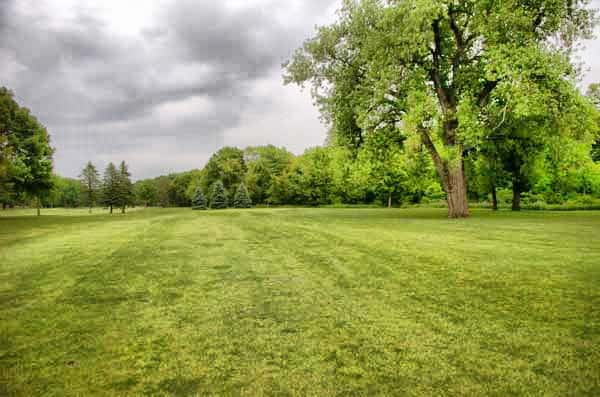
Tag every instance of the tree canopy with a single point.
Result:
(437, 70)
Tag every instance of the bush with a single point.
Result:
(199, 201)
(218, 199)
(242, 199)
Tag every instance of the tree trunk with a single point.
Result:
(516, 201)
(38, 203)
(389, 199)
(111, 209)
(453, 179)
(494, 198)
(4, 205)
(122, 210)
(90, 209)
(456, 190)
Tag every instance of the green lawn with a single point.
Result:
(300, 302)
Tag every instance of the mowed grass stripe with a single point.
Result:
(301, 302)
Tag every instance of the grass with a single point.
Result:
(300, 302)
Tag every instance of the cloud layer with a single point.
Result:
(163, 86)
(164, 89)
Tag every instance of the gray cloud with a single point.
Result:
(164, 97)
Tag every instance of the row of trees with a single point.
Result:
(114, 190)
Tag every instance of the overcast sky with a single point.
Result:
(163, 84)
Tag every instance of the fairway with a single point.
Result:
(299, 302)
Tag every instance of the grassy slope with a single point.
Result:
(300, 302)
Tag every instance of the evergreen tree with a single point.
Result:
(110, 190)
(218, 199)
(242, 199)
(124, 187)
(199, 201)
(90, 183)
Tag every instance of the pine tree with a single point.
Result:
(218, 199)
(124, 187)
(242, 199)
(90, 183)
(199, 201)
(110, 195)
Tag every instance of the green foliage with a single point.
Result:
(199, 201)
(228, 166)
(218, 198)
(65, 192)
(90, 184)
(25, 152)
(242, 198)
(110, 187)
(146, 192)
(264, 164)
(124, 187)
(439, 70)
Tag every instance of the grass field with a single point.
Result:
(300, 302)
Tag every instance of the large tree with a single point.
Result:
(25, 151)
(433, 67)
(90, 184)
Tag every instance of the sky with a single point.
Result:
(163, 84)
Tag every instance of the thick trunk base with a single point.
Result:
(516, 202)
(494, 199)
(458, 204)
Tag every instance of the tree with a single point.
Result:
(242, 199)
(264, 164)
(228, 166)
(65, 192)
(90, 184)
(110, 187)
(199, 201)
(146, 192)
(434, 66)
(124, 187)
(218, 199)
(593, 93)
(25, 151)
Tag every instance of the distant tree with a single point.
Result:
(146, 192)
(199, 201)
(124, 187)
(90, 184)
(264, 164)
(110, 187)
(228, 166)
(242, 199)
(164, 185)
(65, 192)
(218, 199)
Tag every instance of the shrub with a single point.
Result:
(242, 199)
(199, 201)
(218, 199)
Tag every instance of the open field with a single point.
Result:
(301, 302)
